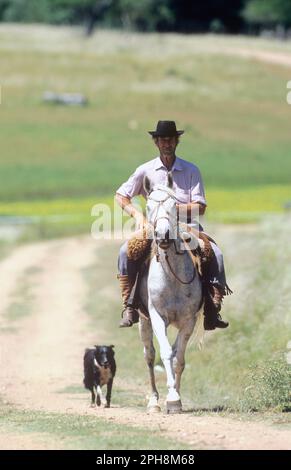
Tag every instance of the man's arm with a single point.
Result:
(125, 204)
(197, 197)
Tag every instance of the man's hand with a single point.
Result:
(128, 207)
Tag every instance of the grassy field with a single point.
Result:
(60, 160)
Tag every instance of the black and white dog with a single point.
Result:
(99, 370)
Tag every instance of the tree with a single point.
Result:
(26, 11)
(142, 15)
(268, 12)
(146, 15)
(3, 6)
(83, 11)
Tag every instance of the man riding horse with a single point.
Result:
(189, 190)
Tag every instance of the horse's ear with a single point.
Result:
(147, 184)
(170, 179)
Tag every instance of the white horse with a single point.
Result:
(172, 292)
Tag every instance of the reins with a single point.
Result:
(175, 275)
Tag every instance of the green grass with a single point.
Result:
(64, 217)
(54, 158)
(82, 432)
(22, 304)
(261, 199)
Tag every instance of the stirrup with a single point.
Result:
(125, 323)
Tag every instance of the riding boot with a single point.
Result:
(212, 307)
(129, 314)
(217, 294)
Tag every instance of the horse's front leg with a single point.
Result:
(173, 402)
(179, 349)
(146, 335)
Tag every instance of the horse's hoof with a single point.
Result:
(153, 409)
(173, 407)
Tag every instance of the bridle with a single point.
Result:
(160, 202)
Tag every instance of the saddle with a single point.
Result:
(139, 246)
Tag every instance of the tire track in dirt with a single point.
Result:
(14, 266)
(51, 343)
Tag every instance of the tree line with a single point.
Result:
(187, 16)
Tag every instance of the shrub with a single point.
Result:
(269, 386)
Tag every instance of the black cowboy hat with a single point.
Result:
(166, 129)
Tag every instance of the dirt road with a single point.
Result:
(42, 356)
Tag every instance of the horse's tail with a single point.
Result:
(198, 333)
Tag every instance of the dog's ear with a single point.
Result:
(111, 346)
(96, 346)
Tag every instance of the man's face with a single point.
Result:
(167, 145)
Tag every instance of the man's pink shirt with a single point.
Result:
(187, 180)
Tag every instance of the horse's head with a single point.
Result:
(162, 212)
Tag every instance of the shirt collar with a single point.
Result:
(177, 164)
